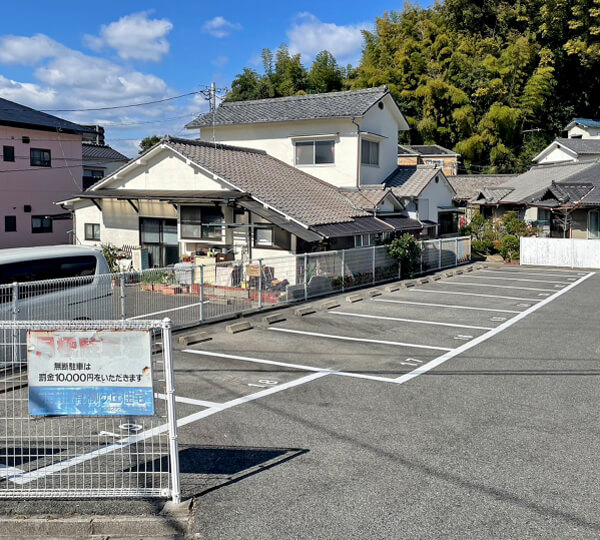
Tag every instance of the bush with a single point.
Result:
(484, 247)
(510, 247)
(407, 250)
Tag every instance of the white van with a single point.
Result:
(55, 283)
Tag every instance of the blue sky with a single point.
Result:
(74, 55)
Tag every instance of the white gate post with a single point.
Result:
(171, 410)
(201, 293)
(373, 264)
(122, 285)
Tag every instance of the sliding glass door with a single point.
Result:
(159, 237)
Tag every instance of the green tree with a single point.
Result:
(148, 142)
(325, 75)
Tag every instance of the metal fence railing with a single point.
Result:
(56, 379)
(189, 294)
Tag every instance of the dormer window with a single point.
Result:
(315, 152)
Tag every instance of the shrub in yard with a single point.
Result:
(484, 247)
(510, 248)
(408, 251)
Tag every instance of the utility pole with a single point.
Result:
(210, 94)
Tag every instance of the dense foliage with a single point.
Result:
(495, 80)
(407, 250)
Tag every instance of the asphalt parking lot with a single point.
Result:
(458, 408)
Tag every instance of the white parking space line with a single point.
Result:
(416, 321)
(190, 401)
(484, 337)
(166, 311)
(362, 340)
(255, 360)
(469, 284)
(430, 291)
(293, 366)
(7, 472)
(445, 306)
(518, 279)
(557, 274)
(56, 467)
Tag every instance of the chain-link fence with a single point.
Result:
(56, 379)
(189, 293)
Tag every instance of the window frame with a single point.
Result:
(314, 142)
(184, 223)
(41, 229)
(41, 162)
(95, 227)
(4, 153)
(369, 143)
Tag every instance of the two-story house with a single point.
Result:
(310, 173)
(99, 159)
(582, 143)
(41, 162)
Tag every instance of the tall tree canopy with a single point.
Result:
(495, 80)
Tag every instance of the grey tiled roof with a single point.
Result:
(492, 195)
(283, 187)
(468, 186)
(12, 113)
(540, 177)
(366, 198)
(309, 106)
(408, 181)
(581, 146)
(562, 195)
(98, 151)
(425, 150)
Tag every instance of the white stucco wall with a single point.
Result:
(165, 170)
(277, 139)
(586, 133)
(381, 122)
(86, 212)
(557, 155)
(436, 194)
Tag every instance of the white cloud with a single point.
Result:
(220, 27)
(27, 50)
(220, 61)
(309, 35)
(134, 37)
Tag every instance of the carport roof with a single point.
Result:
(363, 225)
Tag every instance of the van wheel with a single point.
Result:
(82, 319)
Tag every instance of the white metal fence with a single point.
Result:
(85, 456)
(193, 294)
(568, 252)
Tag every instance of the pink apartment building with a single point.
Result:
(40, 162)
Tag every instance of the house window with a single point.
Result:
(263, 237)
(272, 237)
(92, 231)
(594, 224)
(201, 222)
(369, 153)
(315, 152)
(363, 240)
(41, 224)
(8, 153)
(10, 223)
(39, 157)
(91, 176)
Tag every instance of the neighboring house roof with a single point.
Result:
(430, 150)
(98, 151)
(352, 103)
(581, 146)
(491, 195)
(585, 122)
(540, 177)
(366, 198)
(563, 195)
(410, 181)
(468, 186)
(15, 114)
